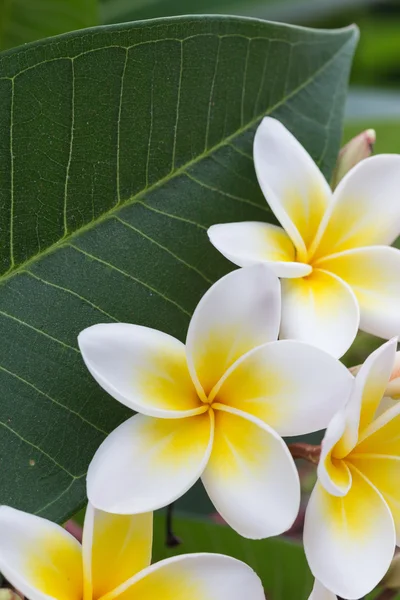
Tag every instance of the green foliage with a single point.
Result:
(23, 21)
(280, 564)
(289, 11)
(119, 146)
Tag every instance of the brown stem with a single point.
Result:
(305, 451)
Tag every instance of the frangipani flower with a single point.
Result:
(45, 562)
(333, 251)
(353, 516)
(214, 409)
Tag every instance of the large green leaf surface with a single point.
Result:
(281, 564)
(119, 146)
(24, 21)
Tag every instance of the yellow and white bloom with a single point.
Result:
(353, 517)
(214, 409)
(45, 562)
(333, 251)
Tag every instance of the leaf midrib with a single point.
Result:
(138, 197)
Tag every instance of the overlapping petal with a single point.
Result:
(251, 477)
(369, 388)
(373, 275)
(239, 312)
(350, 540)
(320, 309)
(143, 368)
(147, 463)
(393, 387)
(38, 557)
(194, 577)
(365, 210)
(294, 187)
(250, 242)
(334, 474)
(293, 387)
(115, 548)
(378, 457)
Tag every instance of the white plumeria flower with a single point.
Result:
(45, 562)
(353, 516)
(333, 251)
(214, 409)
(320, 592)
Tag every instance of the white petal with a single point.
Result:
(238, 313)
(365, 210)
(115, 548)
(349, 541)
(147, 463)
(320, 592)
(39, 558)
(334, 474)
(194, 577)
(320, 309)
(250, 243)
(369, 388)
(142, 368)
(294, 187)
(251, 477)
(374, 276)
(293, 387)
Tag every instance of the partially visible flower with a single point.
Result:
(215, 409)
(319, 592)
(45, 562)
(393, 388)
(353, 516)
(332, 250)
(356, 150)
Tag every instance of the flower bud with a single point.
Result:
(393, 388)
(352, 153)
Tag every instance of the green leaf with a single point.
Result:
(119, 146)
(23, 21)
(279, 563)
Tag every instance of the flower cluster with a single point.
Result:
(218, 406)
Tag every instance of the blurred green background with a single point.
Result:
(374, 102)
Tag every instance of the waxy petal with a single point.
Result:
(293, 387)
(373, 275)
(320, 309)
(349, 541)
(115, 548)
(369, 388)
(250, 243)
(334, 474)
(291, 182)
(194, 577)
(365, 210)
(140, 367)
(147, 463)
(38, 557)
(377, 456)
(238, 313)
(251, 477)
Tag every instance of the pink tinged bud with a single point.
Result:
(352, 153)
(7, 594)
(393, 388)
